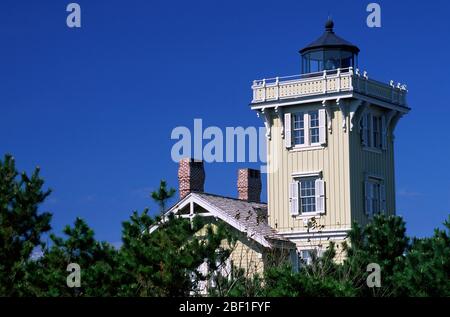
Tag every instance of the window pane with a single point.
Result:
(314, 135)
(376, 198)
(299, 131)
(299, 137)
(314, 118)
(308, 192)
(314, 126)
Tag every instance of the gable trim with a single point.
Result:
(216, 212)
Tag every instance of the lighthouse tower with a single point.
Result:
(329, 144)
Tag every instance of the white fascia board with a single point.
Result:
(304, 235)
(378, 102)
(215, 212)
(231, 221)
(301, 100)
(298, 101)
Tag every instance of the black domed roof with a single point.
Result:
(330, 40)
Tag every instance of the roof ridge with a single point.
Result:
(227, 197)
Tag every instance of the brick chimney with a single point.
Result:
(191, 176)
(249, 184)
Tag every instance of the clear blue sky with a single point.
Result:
(94, 107)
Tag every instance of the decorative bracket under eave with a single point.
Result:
(389, 116)
(342, 107)
(280, 113)
(354, 106)
(264, 114)
(327, 107)
(393, 122)
(355, 117)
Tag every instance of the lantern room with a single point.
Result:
(328, 52)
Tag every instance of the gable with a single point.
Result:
(246, 217)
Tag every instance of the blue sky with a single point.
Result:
(94, 107)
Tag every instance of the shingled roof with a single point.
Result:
(247, 217)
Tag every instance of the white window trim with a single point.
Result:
(296, 177)
(309, 214)
(372, 149)
(302, 147)
(307, 174)
(309, 128)
(305, 129)
(306, 136)
(375, 178)
(318, 250)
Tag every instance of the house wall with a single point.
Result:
(245, 253)
(321, 246)
(332, 160)
(380, 163)
(248, 256)
(343, 163)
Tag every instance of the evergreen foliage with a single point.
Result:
(162, 256)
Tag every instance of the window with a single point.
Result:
(366, 140)
(376, 208)
(306, 256)
(299, 128)
(375, 196)
(373, 134)
(303, 129)
(314, 127)
(376, 131)
(307, 195)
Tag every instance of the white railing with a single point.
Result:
(326, 82)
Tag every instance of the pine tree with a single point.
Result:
(382, 241)
(162, 259)
(97, 261)
(162, 195)
(21, 224)
(426, 269)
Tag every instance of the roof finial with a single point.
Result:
(329, 24)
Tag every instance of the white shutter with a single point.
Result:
(294, 198)
(364, 130)
(322, 126)
(320, 195)
(383, 133)
(383, 198)
(368, 198)
(287, 130)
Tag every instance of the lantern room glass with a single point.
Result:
(327, 59)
